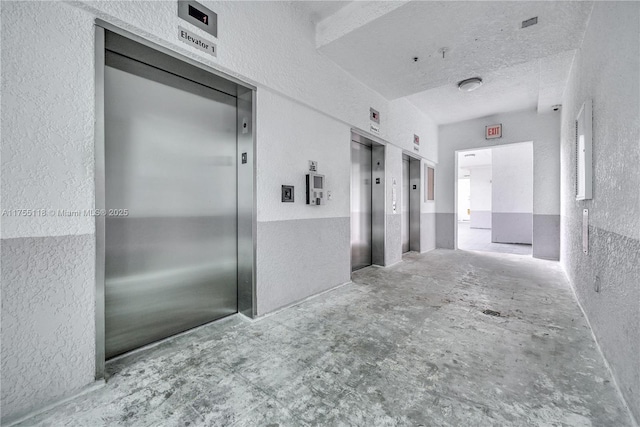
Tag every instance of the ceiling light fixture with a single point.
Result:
(470, 84)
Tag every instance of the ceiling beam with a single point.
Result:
(351, 17)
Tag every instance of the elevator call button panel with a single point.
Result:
(315, 189)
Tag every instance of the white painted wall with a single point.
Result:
(393, 237)
(464, 199)
(306, 106)
(512, 175)
(270, 44)
(607, 71)
(520, 126)
(512, 194)
(289, 135)
(480, 197)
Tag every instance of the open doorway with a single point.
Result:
(494, 204)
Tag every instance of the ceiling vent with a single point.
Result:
(529, 22)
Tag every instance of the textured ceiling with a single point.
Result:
(319, 10)
(536, 84)
(522, 68)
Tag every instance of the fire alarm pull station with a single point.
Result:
(315, 189)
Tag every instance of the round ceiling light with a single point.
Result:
(470, 84)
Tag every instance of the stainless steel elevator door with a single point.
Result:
(405, 205)
(360, 206)
(170, 160)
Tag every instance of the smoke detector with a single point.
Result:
(470, 84)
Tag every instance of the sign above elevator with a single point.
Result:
(191, 39)
(199, 16)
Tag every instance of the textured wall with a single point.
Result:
(393, 236)
(607, 70)
(306, 105)
(299, 258)
(48, 333)
(521, 126)
(289, 135)
(47, 118)
(428, 210)
(427, 231)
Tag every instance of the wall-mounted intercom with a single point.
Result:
(315, 189)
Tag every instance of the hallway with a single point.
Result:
(405, 345)
(479, 239)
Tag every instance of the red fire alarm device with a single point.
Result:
(493, 131)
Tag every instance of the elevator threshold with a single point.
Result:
(237, 317)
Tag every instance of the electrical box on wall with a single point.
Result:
(584, 171)
(315, 189)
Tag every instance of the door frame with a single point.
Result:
(378, 195)
(246, 194)
(456, 154)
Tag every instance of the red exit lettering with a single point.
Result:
(494, 131)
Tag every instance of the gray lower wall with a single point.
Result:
(48, 324)
(427, 231)
(445, 230)
(299, 258)
(546, 237)
(614, 262)
(393, 239)
(512, 227)
(480, 219)
(543, 231)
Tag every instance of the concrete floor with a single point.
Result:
(479, 239)
(407, 345)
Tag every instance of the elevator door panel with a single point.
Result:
(360, 206)
(405, 206)
(170, 160)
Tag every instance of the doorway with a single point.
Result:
(170, 253)
(494, 203)
(410, 204)
(367, 202)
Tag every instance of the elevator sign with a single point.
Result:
(493, 131)
(190, 38)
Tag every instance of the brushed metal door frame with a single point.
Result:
(405, 205)
(246, 197)
(378, 220)
(361, 206)
(415, 202)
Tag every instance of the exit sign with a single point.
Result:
(493, 131)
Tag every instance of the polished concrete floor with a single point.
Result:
(479, 239)
(407, 345)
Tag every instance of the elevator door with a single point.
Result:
(405, 205)
(360, 206)
(170, 161)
